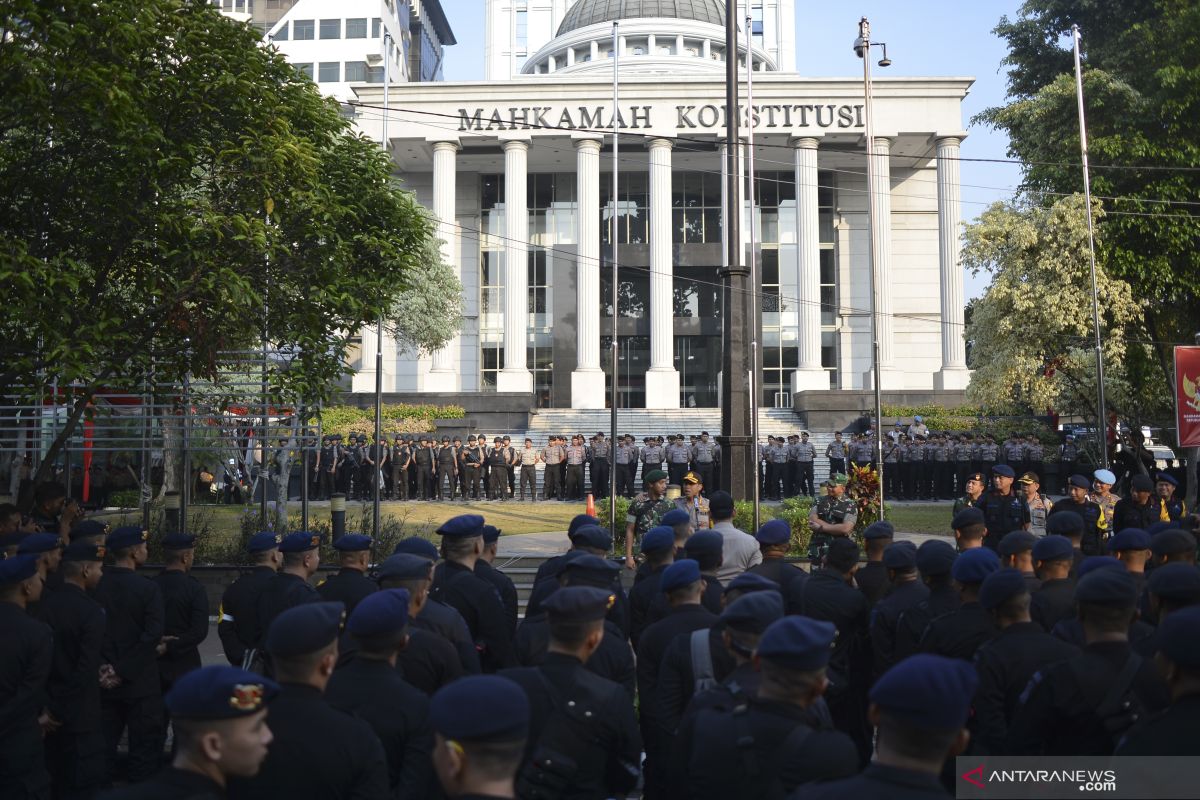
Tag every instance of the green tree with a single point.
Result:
(171, 191)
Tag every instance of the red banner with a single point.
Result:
(1187, 395)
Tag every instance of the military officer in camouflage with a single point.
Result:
(833, 516)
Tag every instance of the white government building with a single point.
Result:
(516, 169)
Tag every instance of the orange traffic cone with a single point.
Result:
(591, 505)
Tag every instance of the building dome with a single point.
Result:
(592, 12)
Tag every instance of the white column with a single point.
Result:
(514, 376)
(954, 373)
(587, 381)
(810, 376)
(662, 380)
(881, 211)
(444, 374)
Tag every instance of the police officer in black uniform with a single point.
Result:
(658, 550)
(774, 541)
(935, 563)
(480, 726)
(290, 586)
(1172, 732)
(1092, 542)
(423, 459)
(872, 577)
(25, 663)
(185, 606)
(1003, 510)
(486, 569)
(237, 617)
(370, 688)
(907, 590)
(585, 740)
(434, 615)
(131, 697)
(350, 585)
(1054, 599)
(456, 584)
(429, 661)
(318, 751)
(961, 632)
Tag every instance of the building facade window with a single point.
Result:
(303, 29)
(331, 29)
(632, 217)
(281, 35)
(305, 69)
(376, 27)
(521, 27)
(356, 71)
(356, 28)
(696, 207)
(329, 72)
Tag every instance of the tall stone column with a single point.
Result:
(809, 376)
(444, 375)
(662, 379)
(587, 381)
(515, 376)
(954, 373)
(881, 241)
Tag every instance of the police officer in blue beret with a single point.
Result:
(774, 541)
(1171, 587)
(1070, 630)
(587, 540)
(24, 667)
(185, 605)
(456, 584)
(75, 745)
(1053, 601)
(1016, 551)
(1007, 662)
(584, 739)
(480, 726)
(350, 585)
(906, 591)
(549, 567)
(920, 710)
(370, 687)
(683, 587)
(872, 577)
(1078, 501)
(131, 695)
(1140, 509)
(1173, 732)
(970, 528)
(706, 548)
(935, 562)
(1084, 705)
(237, 616)
(486, 568)
(777, 739)
(1132, 547)
(219, 715)
(1003, 509)
(960, 633)
(658, 553)
(289, 587)
(319, 751)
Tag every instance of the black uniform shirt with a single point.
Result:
(942, 599)
(445, 622)
(872, 580)
(283, 591)
(504, 587)
(827, 596)
(133, 626)
(73, 693)
(653, 644)
(1171, 733)
(1053, 602)
(177, 784)
(877, 782)
(960, 633)
(886, 615)
(477, 601)
(185, 606)
(780, 571)
(25, 660)
(641, 597)
(613, 658)
(677, 676)
(237, 623)
(349, 586)
(429, 662)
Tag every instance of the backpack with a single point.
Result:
(1121, 708)
(562, 743)
(702, 664)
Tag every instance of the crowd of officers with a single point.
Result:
(725, 671)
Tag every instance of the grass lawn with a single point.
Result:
(931, 518)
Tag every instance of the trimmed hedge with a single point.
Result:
(397, 418)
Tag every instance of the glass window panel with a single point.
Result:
(790, 357)
(331, 29)
(769, 262)
(375, 75)
(356, 28)
(305, 69)
(828, 306)
(376, 25)
(771, 357)
(825, 226)
(678, 227)
(281, 35)
(303, 29)
(356, 71)
(329, 72)
(712, 225)
(828, 273)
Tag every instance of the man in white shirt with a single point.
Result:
(740, 551)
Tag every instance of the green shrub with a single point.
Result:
(126, 498)
(622, 510)
(396, 417)
(795, 511)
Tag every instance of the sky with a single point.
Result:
(924, 38)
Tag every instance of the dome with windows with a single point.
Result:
(592, 12)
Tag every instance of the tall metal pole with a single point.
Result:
(185, 484)
(755, 287)
(304, 445)
(863, 47)
(737, 460)
(1101, 422)
(378, 444)
(616, 286)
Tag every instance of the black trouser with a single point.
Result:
(574, 482)
(512, 479)
(776, 475)
(529, 476)
(399, 483)
(625, 479)
(836, 465)
(142, 716)
(945, 479)
(1068, 469)
(552, 490)
(599, 477)
(325, 484)
(675, 473)
(425, 484)
(76, 762)
(705, 470)
(473, 485)
(961, 470)
(366, 481)
(498, 480)
(448, 480)
(804, 483)
(892, 483)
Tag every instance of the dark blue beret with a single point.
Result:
(1107, 587)
(900, 555)
(683, 572)
(37, 543)
(578, 521)
(491, 534)
(578, 604)
(936, 557)
(1176, 581)
(178, 541)
(405, 566)
(1141, 483)
(1160, 526)
(1053, 548)
(352, 543)
(974, 565)
(1080, 480)
(464, 526)
(12, 539)
(417, 547)
(15, 569)
(300, 542)
(1017, 542)
(592, 536)
(968, 516)
(219, 692)
(707, 541)
(1005, 470)
(754, 612)
(1064, 523)
(1172, 542)
(1169, 478)
(480, 708)
(999, 586)
(927, 691)
(1093, 563)
(85, 551)
(774, 531)
(658, 539)
(1178, 637)
(126, 536)
(88, 527)
(305, 629)
(589, 570)
(751, 582)
(880, 530)
(1129, 539)
(675, 516)
(798, 643)
(380, 613)
(263, 541)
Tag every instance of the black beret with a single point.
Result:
(936, 557)
(305, 629)
(464, 526)
(84, 551)
(1178, 637)
(1017, 542)
(900, 555)
(1107, 587)
(380, 614)
(219, 692)
(1177, 581)
(1000, 586)
(966, 517)
(683, 572)
(417, 546)
(1172, 542)
(1065, 523)
(352, 543)
(927, 691)
(480, 708)
(592, 536)
(754, 612)
(705, 541)
(750, 582)
(798, 643)
(589, 570)
(405, 566)
(578, 521)
(578, 604)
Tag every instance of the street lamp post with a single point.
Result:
(862, 46)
